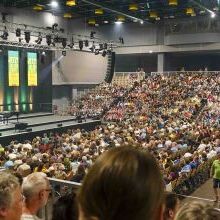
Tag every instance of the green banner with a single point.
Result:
(13, 68)
(32, 68)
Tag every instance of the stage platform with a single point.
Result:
(39, 123)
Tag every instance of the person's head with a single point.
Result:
(124, 183)
(65, 208)
(171, 206)
(11, 199)
(36, 189)
(196, 211)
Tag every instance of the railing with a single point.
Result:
(59, 188)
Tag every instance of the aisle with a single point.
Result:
(204, 193)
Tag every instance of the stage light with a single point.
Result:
(43, 53)
(100, 46)
(4, 36)
(86, 43)
(96, 52)
(104, 53)
(92, 34)
(18, 32)
(71, 43)
(213, 15)
(54, 4)
(80, 44)
(92, 48)
(48, 40)
(27, 37)
(64, 53)
(64, 42)
(54, 26)
(105, 46)
(39, 39)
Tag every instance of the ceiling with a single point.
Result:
(112, 8)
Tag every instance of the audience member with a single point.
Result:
(11, 198)
(124, 183)
(65, 208)
(197, 211)
(171, 206)
(36, 189)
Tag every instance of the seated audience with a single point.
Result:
(124, 183)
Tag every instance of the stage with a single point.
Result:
(39, 123)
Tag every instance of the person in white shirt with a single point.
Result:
(36, 189)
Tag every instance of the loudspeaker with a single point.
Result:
(59, 125)
(21, 126)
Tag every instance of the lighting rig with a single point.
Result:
(52, 38)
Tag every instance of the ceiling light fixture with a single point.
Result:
(54, 4)
(213, 15)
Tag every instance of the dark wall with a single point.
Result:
(192, 61)
(131, 62)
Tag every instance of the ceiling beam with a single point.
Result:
(110, 9)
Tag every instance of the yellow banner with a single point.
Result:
(32, 69)
(13, 68)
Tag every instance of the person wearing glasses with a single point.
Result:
(36, 189)
(11, 199)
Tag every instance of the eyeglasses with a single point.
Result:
(48, 190)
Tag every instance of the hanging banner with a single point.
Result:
(32, 68)
(13, 68)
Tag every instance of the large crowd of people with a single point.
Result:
(175, 118)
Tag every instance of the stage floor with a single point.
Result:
(40, 122)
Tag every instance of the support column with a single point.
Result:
(160, 62)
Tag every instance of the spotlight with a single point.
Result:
(43, 53)
(48, 40)
(80, 44)
(86, 43)
(71, 43)
(213, 15)
(54, 26)
(54, 4)
(18, 32)
(92, 48)
(64, 53)
(27, 37)
(105, 46)
(64, 42)
(100, 46)
(92, 34)
(96, 52)
(4, 36)
(39, 39)
(104, 53)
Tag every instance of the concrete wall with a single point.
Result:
(79, 68)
